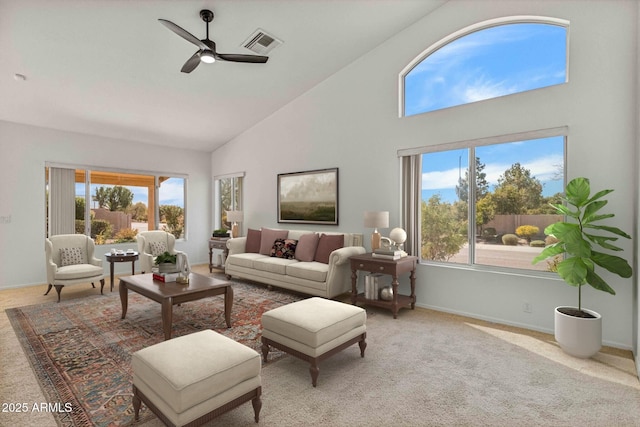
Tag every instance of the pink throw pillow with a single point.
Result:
(269, 237)
(327, 244)
(253, 241)
(307, 245)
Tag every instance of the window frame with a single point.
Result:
(524, 19)
(88, 169)
(237, 190)
(471, 144)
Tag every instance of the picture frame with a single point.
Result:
(309, 197)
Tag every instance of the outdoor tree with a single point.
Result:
(101, 196)
(119, 198)
(441, 230)
(80, 204)
(138, 211)
(173, 216)
(485, 211)
(517, 192)
(482, 186)
(116, 198)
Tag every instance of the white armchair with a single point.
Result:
(70, 260)
(153, 243)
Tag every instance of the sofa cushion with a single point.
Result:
(327, 244)
(244, 260)
(315, 271)
(253, 241)
(273, 264)
(268, 237)
(307, 245)
(284, 248)
(72, 256)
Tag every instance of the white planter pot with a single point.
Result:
(167, 267)
(578, 336)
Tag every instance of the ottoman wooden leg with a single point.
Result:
(315, 371)
(265, 349)
(136, 404)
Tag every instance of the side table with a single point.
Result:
(131, 257)
(217, 243)
(394, 268)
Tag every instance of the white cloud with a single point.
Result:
(543, 168)
(440, 179)
(172, 192)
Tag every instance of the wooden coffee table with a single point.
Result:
(172, 293)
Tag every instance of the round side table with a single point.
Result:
(131, 257)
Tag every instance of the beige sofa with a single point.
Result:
(325, 273)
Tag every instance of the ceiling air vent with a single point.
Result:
(261, 43)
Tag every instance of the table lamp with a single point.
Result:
(375, 220)
(235, 217)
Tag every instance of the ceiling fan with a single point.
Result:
(207, 48)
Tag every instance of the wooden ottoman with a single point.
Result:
(313, 330)
(192, 379)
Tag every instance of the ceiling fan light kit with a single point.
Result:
(207, 56)
(207, 48)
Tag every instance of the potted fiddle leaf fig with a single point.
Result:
(577, 258)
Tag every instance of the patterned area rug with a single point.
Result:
(81, 350)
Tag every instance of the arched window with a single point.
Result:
(483, 202)
(485, 61)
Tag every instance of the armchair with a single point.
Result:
(153, 243)
(70, 260)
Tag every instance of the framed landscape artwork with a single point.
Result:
(309, 197)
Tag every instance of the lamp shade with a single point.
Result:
(235, 216)
(376, 219)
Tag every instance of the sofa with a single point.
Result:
(313, 263)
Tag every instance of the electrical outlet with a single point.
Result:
(526, 307)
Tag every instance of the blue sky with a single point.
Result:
(171, 192)
(486, 64)
(542, 157)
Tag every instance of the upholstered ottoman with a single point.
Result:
(313, 330)
(191, 379)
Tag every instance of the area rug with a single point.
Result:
(80, 350)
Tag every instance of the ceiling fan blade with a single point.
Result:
(191, 63)
(183, 33)
(256, 59)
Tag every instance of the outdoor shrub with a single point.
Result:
(537, 244)
(100, 239)
(527, 231)
(550, 240)
(101, 227)
(510, 240)
(552, 263)
(125, 235)
(101, 230)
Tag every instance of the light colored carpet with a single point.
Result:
(423, 369)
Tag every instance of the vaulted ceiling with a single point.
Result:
(109, 68)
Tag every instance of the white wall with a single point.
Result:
(23, 153)
(350, 121)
